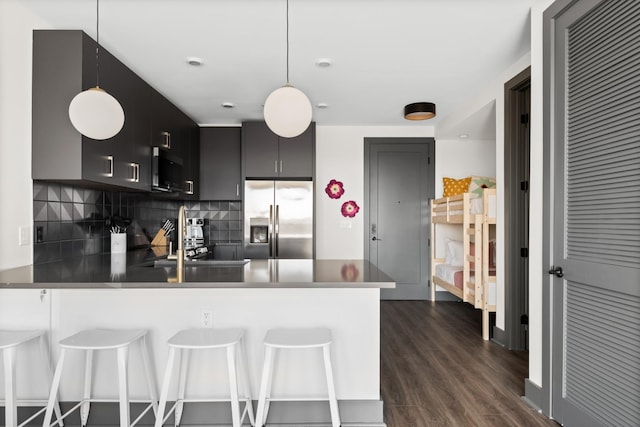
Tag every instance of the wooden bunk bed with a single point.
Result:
(473, 279)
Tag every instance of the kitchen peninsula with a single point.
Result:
(111, 292)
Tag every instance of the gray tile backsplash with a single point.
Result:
(69, 221)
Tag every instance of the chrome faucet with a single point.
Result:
(181, 232)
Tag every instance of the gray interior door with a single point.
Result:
(400, 183)
(594, 65)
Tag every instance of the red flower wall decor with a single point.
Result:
(350, 209)
(335, 189)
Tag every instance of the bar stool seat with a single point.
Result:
(200, 339)
(105, 339)
(279, 339)
(10, 340)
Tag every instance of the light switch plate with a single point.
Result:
(24, 235)
(345, 224)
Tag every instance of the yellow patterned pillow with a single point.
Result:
(453, 187)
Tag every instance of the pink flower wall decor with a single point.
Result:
(335, 189)
(350, 209)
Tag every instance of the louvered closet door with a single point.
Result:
(596, 220)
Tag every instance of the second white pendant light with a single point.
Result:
(287, 110)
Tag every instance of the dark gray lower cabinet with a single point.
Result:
(220, 163)
(227, 251)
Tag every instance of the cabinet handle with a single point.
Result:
(275, 166)
(189, 187)
(135, 169)
(166, 137)
(237, 190)
(110, 166)
(280, 166)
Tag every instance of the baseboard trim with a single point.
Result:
(499, 337)
(353, 413)
(532, 395)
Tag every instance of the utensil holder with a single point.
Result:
(118, 243)
(118, 265)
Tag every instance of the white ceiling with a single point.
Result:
(385, 53)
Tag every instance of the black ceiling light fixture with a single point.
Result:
(420, 111)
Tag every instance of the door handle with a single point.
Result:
(271, 231)
(557, 271)
(277, 231)
(375, 238)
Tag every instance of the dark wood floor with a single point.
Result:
(437, 371)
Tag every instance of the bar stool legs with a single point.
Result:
(180, 346)
(100, 339)
(9, 342)
(265, 387)
(277, 339)
(333, 401)
(86, 391)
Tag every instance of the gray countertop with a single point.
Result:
(136, 269)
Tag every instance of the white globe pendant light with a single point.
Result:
(96, 114)
(93, 112)
(287, 110)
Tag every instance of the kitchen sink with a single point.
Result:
(202, 263)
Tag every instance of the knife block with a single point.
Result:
(160, 239)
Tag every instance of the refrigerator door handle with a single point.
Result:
(271, 227)
(277, 229)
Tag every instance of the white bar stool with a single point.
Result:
(9, 342)
(200, 339)
(105, 339)
(295, 339)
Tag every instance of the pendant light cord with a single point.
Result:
(97, 43)
(287, 41)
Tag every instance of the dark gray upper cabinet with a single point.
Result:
(192, 165)
(174, 131)
(64, 64)
(220, 163)
(267, 155)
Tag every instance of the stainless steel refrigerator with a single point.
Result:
(278, 219)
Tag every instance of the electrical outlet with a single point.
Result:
(206, 318)
(24, 235)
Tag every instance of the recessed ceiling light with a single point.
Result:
(228, 105)
(196, 62)
(322, 105)
(463, 136)
(323, 62)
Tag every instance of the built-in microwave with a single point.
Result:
(166, 171)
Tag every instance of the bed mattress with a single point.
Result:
(454, 274)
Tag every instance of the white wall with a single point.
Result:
(340, 156)
(536, 263)
(15, 131)
(459, 158)
(493, 92)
